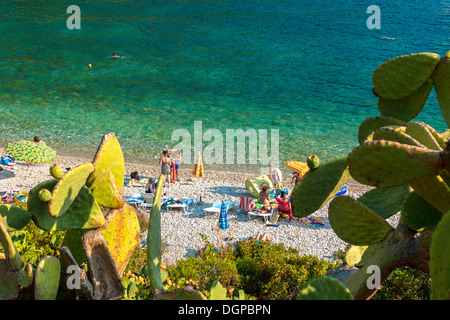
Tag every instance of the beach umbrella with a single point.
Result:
(198, 167)
(223, 217)
(298, 166)
(30, 151)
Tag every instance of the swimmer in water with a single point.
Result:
(114, 55)
(387, 38)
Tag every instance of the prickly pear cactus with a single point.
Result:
(47, 277)
(324, 288)
(408, 165)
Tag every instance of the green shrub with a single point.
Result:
(405, 284)
(272, 272)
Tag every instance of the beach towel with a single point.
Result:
(247, 203)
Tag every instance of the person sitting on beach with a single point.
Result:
(150, 186)
(296, 178)
(134, 179)
(262, 237)
(264, 196)
(284, 205)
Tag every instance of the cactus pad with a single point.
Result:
(434, 190)
(318, 186)
(107, 180)
(154, 238)
(11, 254)
(56, 171)
(67, 189)
(385, 201)
(26, 275)
(9, 287)
(47, 277)
(121, 233)
(420, 132)
(406, 108)
(84, 213)
(373, 123)
(394, 134)
(355, 223)
(441, 77)
(419, 214)
(325, 288)
(217, 291)
(399, 77)
(440, 260)
(386, 163)
(15, 218)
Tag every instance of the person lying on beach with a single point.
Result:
(284, 205)
(134, 179)
(262, 237)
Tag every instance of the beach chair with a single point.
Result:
(148, 200)
(274, 216)
(215, 208)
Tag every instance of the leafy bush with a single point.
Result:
(405, 284)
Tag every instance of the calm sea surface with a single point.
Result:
(300, 67)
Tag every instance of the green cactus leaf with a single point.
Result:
(434, 190)
(385, 201)
(394, 134)
(121, 233)
(441, 78)
(72, 240)
(387, 163)
(107, 180)
(84, 213)
(420, 132)
(355, 223)
(318, 186)
(409, 107)
(445, 135)
(47, 277)
(441, 141)
(325, 288)
(440, 260)
(9, 286)
(26, 275)
(238, 294)
(154, 238)
(418, 214)
(399, 77)
(217, 291)
(67, 189)
(373, 123)
(354, 255)
(11, 253)
(16, 218)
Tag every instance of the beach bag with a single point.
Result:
(254, 185)
(6, 159)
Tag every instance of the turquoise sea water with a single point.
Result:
(301, 67)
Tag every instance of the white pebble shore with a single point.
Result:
(180, 232)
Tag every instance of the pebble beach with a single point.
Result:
(181, 232)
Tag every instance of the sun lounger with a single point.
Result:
(215, 208)
(148, 201)
(184, 205)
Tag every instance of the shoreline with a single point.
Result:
(181, 233)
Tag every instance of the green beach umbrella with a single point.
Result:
(30, 151)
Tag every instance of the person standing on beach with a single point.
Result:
(175, 154)
(165, 161)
